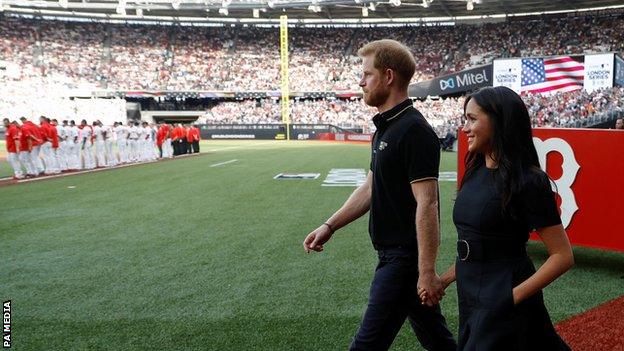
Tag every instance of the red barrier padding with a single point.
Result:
(587, 166)
(351, 137)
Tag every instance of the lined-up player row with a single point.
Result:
(50, 148)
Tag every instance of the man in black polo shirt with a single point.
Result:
(401, 192)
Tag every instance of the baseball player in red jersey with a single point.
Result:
(36, 138)
(25, 149)
(12, 136)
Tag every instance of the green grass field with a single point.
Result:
(5, 168)
(183, 256)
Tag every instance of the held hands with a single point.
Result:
(430, 289)
(315, 240)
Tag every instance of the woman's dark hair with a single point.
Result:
(512, 140)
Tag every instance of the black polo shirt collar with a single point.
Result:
(382, 119)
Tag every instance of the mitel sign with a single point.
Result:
(463, 79)
(586, 166)
(447, 83)
(467, 80)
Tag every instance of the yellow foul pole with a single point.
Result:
(284, 73)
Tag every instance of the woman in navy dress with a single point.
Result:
(504, 196)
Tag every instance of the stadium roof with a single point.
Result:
(313, 11)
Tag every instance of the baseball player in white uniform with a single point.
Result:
(147, 148)
(73, 137)
(111, 160)
(100, 150)
(86, 145)
(121, 133)
(61, 152)
(133, 141)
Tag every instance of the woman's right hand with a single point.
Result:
(449, 276)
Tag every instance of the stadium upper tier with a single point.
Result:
(146, 57)
(563, 109)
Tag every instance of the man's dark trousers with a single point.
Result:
(394, 297)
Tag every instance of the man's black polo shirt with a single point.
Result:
(405, 149)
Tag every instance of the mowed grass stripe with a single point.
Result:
(211, 146)
(179, 255)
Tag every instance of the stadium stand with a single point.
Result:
(52, 56)
(571, 109)
(134, 57)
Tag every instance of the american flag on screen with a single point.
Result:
(551, 75)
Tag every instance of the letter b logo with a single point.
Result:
(570, 169)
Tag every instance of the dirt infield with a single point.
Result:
(601, 328)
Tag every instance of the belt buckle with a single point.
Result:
(467, 250)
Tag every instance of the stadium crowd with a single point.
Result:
(444, 115)
(31, 100)
(50, 148)
(562, 109)
(145, 57)
(44, 62)
(344, 113)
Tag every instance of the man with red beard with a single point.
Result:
(401, 193)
